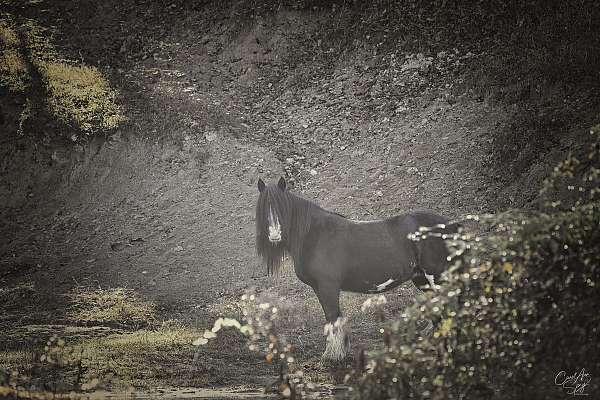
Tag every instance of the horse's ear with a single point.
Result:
(281, 183)
(261, 185)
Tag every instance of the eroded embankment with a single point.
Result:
(364, 121)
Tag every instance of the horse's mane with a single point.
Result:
(295, 215)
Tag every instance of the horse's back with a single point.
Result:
(413, 220)
(425, 217)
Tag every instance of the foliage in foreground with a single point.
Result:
(77, 96)
(69, 368)
(259, 324)
(519, 312)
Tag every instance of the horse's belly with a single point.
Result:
(377, 273)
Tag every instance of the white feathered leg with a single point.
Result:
(337, 340)
(430, 280)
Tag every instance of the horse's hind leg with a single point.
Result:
(423, 280)
(430, 280)
(337, 339)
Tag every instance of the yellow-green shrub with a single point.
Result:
(8, 37)
(13, 69)
(81, 97)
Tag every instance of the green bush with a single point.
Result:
(519, 310)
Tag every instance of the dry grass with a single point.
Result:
(76, 358)
(15, 359)
(144, 358)
(140, 341)
(165, 356)
(81, 96)
(111, 306)
(130, 359)
(13, 70)
(8, 37)
(7, 292)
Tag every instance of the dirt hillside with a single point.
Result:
(216, 97)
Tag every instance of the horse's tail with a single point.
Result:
(431, 244)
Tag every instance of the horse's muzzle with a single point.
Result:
(274, 234)
(275, 239)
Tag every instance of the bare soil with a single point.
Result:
(165, 206)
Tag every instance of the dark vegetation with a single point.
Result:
(123, 124)
(518, 308)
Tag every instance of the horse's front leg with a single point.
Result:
(337, 338)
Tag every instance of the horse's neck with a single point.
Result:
(301, 213)
(310, 212)
(304, 214)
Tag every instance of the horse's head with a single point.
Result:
(272, 212)
(282, 222)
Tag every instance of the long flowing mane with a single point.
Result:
(295, 215)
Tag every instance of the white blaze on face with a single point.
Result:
(274, 227)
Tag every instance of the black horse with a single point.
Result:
(332, 253)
